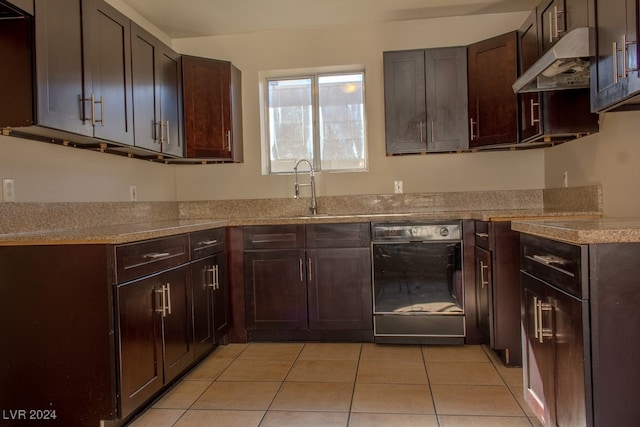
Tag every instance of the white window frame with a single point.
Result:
(314, 75)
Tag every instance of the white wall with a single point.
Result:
(610, 158)
(51, 173)
(348, 45)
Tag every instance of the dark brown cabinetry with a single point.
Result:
(318, 287)
(615, 80)
(577, 307)
(497, 288)
(99, 330)
(15, 81)
(551, 116)
(212, 109)
(493, 107)
(83, 72)
(153, 315)
(558, 17)
(210, 287)
(157, 94)
(425, 100)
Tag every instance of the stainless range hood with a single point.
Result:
(564, 66)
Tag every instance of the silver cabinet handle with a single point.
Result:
(229, 140)
(168, 290)
(616, 76)
(420, 124)
(168, 134)
(483, 268)
(157, 255)
(310, 273)
(211, 271)
(93, 102)
(533, 115)
(301, 270)
(473, 123)
(482, 235)
(536, 332)
(433, 131)
(163, 301)
(556, 33)
(550, 27)
(207, 243)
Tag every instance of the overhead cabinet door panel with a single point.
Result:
(405, 102)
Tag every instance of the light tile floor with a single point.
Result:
(344, 385)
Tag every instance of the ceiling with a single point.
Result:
(194, 18)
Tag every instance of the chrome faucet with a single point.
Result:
(312, 183)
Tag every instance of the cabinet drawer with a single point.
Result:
(274, 237)
(482, 234)
(355, 235)
(560, 264)
(207, 242)
(151, 256)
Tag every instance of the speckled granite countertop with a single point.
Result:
(126, 233)
(111, 234)
(583, 231)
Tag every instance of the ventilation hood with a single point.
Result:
(564, 66)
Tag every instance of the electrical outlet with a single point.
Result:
(8, 190)
(133, 192)
(397, 187)
(565, 179)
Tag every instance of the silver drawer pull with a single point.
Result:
(157, 255)
(482, 235)
(208, 243)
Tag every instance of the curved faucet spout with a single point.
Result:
(312, 183)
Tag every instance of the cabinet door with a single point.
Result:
(107, 41)
(202, 282)
(276, 291)
(170, 76)
(60, 83)
(16, 108)
(221, 315)
(446, 97)
(145, 89)
(529, 102)
(615, 19)
(538, 369)
(176, 323)
(566, 328)
(483, 292)
(493, 105)
(339, 286)
(207, 108)
(140, 339)
(551, 21)
(405, 102)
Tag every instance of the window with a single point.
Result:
(317, 117)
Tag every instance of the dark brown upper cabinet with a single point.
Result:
(157, 94)
(83, 69)
(615, 79)
(493, 106)
(15, 80)
(550, 116)
(212, 109)
(425, 100)
(558, 17)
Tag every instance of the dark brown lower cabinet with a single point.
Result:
(320, 292)
(579, 320)
(96, 331)
(154, 316)
(498, 288)
(210, 287)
